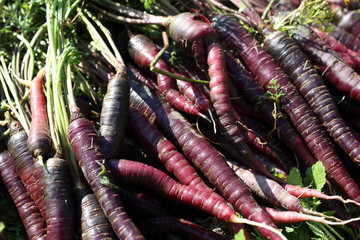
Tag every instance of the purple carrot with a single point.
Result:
(155, 142)
(265, 69)
(39, 139)
(300, 70)
(23, 162)
(342, 76)
(58, 199)
(136, 74)
(86, 145)
(114, 114)
(293, 217)
(31, 218)
(349, 20)
(131, 172)
(142, 50)
(94, 224)
(268, 189)
(194, 94)
(346, 38)
(204, 157)
(351, 57)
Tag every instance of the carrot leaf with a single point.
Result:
(104, 177)
(294, 177)
(240, 235)
(315, 176)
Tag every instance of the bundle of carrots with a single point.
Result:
(198, 119)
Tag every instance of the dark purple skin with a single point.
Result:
(94, 224)
(256, 95)
(24, 162)
(30, 215)
(155, 142)
(346, 38)
(137, 173)
(85, 144)
(267, 189)
(349, 21)
(193, 34)
(143, 50)
(58, 199)
(306, 78)
(189, 230)
(265, 69)
(204, 157)
(114, 115)
(334, 68)
(136, 74)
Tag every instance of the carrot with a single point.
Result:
(114, 114)
(131, 172)
(30, 215)
(268, 189)
(39, 139)
(155, 142)
(351, 57)
(303, 192)
(23, 162)
(194, 33)
(257, 96)
(194, 94)
(350, 21)
(311, 86)
(268, 142)
(142, 50)
(346, 38)
(204, 157)
(266, 69)
(158, 226)
(86, 146)
(324, 58)
(136, 74)
(58, 199)
(94, 224)
(293, 217)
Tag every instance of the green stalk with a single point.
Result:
(99, 43)
(22, 117)
(58, 74)
(30, 71)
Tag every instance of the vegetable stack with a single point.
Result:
(196, 119)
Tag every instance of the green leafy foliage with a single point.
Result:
(315, 176)
(316, 12)
(275, 93)
(147, 3)
(240, 235)
(294, 177)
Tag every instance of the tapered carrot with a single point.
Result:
(86, 146)
(39, 139)
(23, 162)
(266, 69)
(58, 199)
(199, 151)
(32, 220)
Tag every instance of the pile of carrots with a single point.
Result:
(198, 119)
